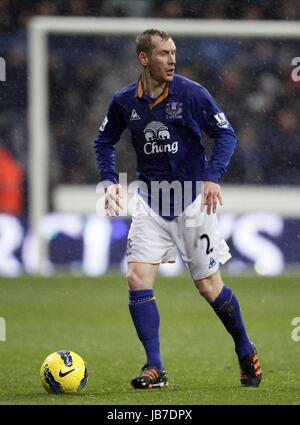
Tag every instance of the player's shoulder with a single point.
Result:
(125, 92)
(190, 87)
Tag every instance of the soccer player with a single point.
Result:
(166, 114)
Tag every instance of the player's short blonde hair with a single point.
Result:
(144, 40)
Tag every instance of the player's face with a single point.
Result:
(161, 62)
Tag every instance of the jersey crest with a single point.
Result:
(174, 109)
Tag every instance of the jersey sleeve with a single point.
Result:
(108, 135)
(213, 121)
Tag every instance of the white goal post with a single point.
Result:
(41, 27)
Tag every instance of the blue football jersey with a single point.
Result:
(166, 134)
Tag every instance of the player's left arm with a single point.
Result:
(215, 123)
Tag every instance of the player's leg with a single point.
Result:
(145, 316)
(225, 304)
(143, 309)
(149, 244)
(202, 249)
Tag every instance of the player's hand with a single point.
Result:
(211, 196)
(113, 200)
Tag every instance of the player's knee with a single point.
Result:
(209, 287)
(141, 275)
(134, 280)
(205, 288)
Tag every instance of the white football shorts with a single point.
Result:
(153, 239)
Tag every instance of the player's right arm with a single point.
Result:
(108, 135)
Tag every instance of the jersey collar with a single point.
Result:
(140, 93)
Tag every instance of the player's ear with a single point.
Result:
(143, 59)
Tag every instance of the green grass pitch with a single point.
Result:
(90, 317)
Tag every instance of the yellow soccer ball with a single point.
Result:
(63, 372)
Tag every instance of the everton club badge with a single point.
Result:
(174, 109)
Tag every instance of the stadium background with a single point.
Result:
(39, 315)
(250, 80)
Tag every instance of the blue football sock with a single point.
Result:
(228, 310)
(145, 316)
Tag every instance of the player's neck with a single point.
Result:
(152, 87)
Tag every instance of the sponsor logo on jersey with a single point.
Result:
(155, 132)
(174, 109)
(134, 116)
(222, 121)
